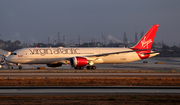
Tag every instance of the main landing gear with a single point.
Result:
(88, 67)
(79, 68)
(91, 67)
(20, 67)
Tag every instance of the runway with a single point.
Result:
(168, 63)
(76, 75)
(134, 69)
(108, 90)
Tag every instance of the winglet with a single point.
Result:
(147, 40)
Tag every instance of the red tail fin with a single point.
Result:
(147, 40)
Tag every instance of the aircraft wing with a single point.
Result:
(113, 53)
(92, 57)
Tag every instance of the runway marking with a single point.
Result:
(88, 90)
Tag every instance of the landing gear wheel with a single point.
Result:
(79, 68)
(91, 67)
(20, 67)
(12, 67)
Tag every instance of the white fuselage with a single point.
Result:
(61, 55)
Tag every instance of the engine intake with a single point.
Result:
(78, 62)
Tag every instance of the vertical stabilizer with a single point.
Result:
(147, 40)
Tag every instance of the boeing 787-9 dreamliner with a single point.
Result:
(81, 57)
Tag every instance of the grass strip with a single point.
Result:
(91, 99)
(121, 81)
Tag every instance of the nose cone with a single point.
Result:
(8, 59)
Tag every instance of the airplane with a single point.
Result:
(3, 59)
(81, 57)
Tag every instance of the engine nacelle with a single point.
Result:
(54, 65)
(78, 62)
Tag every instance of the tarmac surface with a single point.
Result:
(162, 67)
(77, 75)
(89, 90)
(152, 67)
(155, 63)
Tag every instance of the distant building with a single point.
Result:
(142, 34)
(72, 45)
(2, 45)
(121, 45)
(136, 37)
(131, 44)
(125, 40)
(39, 45)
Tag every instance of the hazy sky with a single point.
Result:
(33, 21)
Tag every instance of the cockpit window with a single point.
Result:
(13, 53)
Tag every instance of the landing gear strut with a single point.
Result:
(91, 67)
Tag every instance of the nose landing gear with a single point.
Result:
(20, 67)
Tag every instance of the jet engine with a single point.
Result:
(54, 65)
(78, 62)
